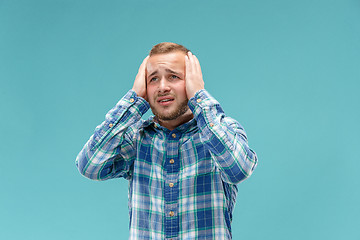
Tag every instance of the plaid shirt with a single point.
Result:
(182, 183)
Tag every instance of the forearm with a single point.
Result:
(225, 138)
(110, 150)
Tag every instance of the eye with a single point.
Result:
(174, 77)
(153, 79)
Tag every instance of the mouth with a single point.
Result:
(165, 100)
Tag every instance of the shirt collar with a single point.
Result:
(185, 127)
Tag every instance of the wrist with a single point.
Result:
(193, 92)
(139, 93)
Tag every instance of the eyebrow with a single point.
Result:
(153, 73)
(167, 70)
(171, 71)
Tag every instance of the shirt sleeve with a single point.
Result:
(225, 138)
(111, 150)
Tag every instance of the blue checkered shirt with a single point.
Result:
(182, 183)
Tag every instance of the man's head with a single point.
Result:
(165, 83)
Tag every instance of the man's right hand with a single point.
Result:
(140, 82)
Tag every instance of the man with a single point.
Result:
(183, 164)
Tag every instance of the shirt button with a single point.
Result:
(132, 100)
(171, 184)
(173, 135)
(111, 125)
(211, 124)
(171, 213)
(172, 161)
(198, 100)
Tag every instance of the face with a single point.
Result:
(165, 80)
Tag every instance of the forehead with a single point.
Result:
(173, 60)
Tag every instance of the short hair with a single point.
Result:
(167, 47)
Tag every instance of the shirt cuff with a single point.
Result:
(202, 99)
(132, 100)
(129, 107)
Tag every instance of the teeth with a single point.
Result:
(165, 100)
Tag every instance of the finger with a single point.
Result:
(197, 65)
(143, 64)
(145, 78)
(145, 59)
(144, 72)
(187, 66)
(191, 61)
(142, 68)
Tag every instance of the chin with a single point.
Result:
(172, 112)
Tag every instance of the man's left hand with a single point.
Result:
(193, 79)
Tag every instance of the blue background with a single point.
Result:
(287, 70)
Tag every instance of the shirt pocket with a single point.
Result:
(198, 161)
(205, 166)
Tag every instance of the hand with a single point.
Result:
(193, 79)
(140, 81)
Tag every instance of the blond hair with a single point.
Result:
(167, 47)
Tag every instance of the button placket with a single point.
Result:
(171, 189)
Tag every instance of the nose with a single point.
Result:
(163, 85)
